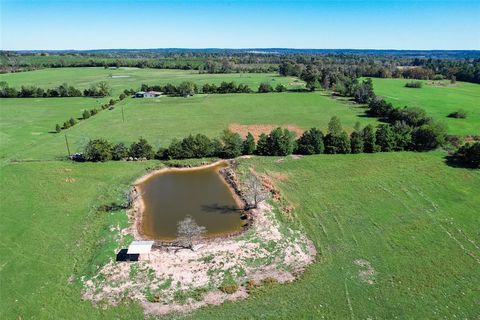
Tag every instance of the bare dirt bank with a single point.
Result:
(181, 280)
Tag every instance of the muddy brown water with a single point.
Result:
(171, 195)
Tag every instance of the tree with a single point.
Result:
(280, 142)
(265, 88)
(122, 96)
(337, 140)
(119, 151)
(248, 146)
(188, 231)
(255, 193)
(231, 144)
(58, 128)
(262, 147)
(403, 135)
(141, 149)
(186, 88)
(103, 89)
(385, 137)
(356, 141)
(364, 91)
(98, 150)
(72, 122)
(369, 139)
(311, 142)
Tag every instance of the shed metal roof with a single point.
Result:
(139, 247)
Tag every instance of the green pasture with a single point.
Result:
(134, 77)
(162, 119)
(412, 218)
(437, 100)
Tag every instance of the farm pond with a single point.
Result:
(170, 195)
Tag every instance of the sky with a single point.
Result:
(374, 24)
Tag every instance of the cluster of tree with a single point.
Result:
(414, 84)
(64, 90)
(188, 88)
(469, 154)
(423, 132)
(386, 137)
(87, 114)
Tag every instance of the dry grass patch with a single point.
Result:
(257, 129)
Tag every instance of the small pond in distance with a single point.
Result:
(171, 195)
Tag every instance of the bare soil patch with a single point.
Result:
(366, 272)
(257, 129)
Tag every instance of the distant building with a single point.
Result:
(147, 94)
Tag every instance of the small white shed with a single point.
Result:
(140, 247)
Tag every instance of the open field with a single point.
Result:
(160, 120)
(437, 100)
(134, 77)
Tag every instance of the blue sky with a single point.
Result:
(377, 24)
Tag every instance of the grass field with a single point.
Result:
(408, 217)
(134, 77)
(437, 100)
(160, 120)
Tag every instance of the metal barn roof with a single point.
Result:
(139, 247)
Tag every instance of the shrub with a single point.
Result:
(269, 281)
(459, 114)
(187, 88)
(141, 149)
(414, 84)
(111, 102)
(356, 142)
(86, 114)
(98, 150)
(429, 136)
(470, 154)
(265, 88)
(229, 288)
(66, 125)
(58, 128)
(311, 142)
(403, 136)
(248, 145)
(251, 284)
(122, 96)
(72, 122)
(280, 88)
(119, 151)
(93, 112)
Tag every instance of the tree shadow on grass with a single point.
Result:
(223, 209)
(455, 161)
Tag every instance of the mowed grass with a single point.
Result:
(163, 119)
(134, 77)
(437, 100)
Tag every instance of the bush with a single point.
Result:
(98, 150)
(58, 128)
(72, 122)
(119, 151)
(141, 149)
(122, 96)
(280, 88)
(86, 114)
(470, 154)
(459, 114)
(429, 136)
(248, 145)
(229, 288)
(311, 142)
(265, 88)
(414, 84)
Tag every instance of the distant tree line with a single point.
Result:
(434, 66)
(100, 89)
